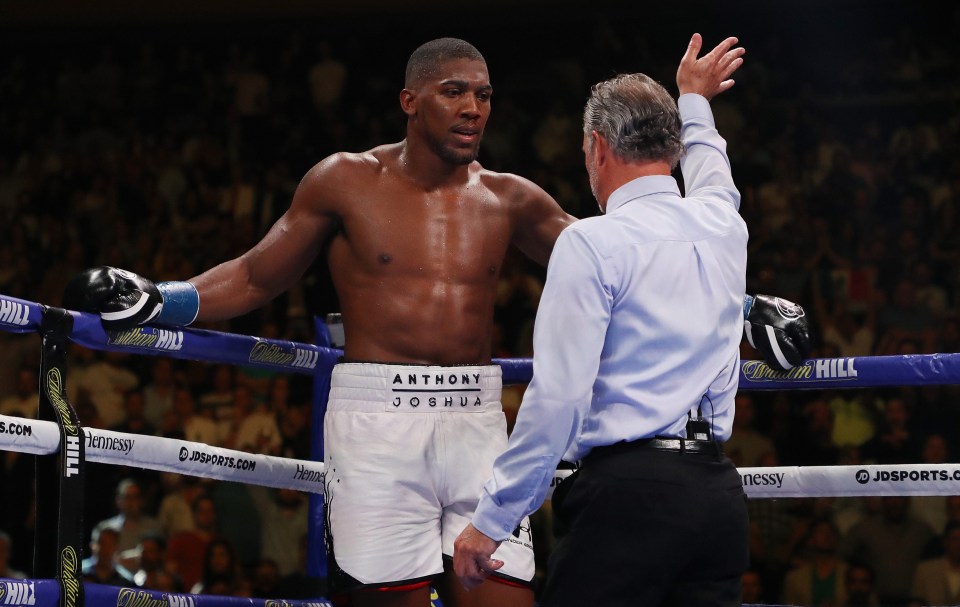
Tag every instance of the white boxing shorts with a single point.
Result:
(407, 449)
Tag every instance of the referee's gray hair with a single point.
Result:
(637, 116)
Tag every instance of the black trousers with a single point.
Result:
(649, 527)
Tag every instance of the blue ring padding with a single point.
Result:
(212, 346)
(46, 593)
(816, 373)
(204, 345)
(18, 315)
(854, 372)
(515, 370)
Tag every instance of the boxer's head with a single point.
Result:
(446, 97)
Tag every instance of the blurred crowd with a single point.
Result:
(166, 155)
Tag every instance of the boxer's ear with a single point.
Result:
(408, 102)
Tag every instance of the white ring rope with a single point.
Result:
(166, 455)
(197, 459)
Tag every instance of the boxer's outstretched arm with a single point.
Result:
(276, 262)
(538, 220)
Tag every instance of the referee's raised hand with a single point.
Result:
(709, 75)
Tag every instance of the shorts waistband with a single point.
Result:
(377, 387)
(658, 443)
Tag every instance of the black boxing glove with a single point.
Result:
(125, 300)
(778, 329)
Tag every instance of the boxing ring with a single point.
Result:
(64, 445)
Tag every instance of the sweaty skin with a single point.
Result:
(416, 233)
(416, 269)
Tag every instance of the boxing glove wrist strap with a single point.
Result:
(181, 303)
(747, 305)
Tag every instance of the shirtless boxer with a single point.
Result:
(416, 233)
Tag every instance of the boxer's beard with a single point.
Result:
(448, 153)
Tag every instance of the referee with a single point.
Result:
(635, 369)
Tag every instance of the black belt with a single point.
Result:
(659, 443)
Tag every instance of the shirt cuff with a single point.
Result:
(493, 521)
(694, 107)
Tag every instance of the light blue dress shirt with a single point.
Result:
(639, 323)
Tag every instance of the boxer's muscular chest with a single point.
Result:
(452, 235)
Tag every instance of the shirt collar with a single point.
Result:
(642, 186)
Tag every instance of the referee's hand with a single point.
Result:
(471, 557)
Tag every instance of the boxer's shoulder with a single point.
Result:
(508, 185)
(354, 164)
(342, 181)
(523, 198)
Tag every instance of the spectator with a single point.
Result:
(933, 509)
(953, 510)
(853, 418)
(199, 427)
(278, 393)
(937, 581)
(6, 549)
(171, 426)
(219, 400)
(18, 352)
(819, 582)
(850, 335)
(134, 421)
(238, 521)
(746, 446)
(176, 511)
(326, 78)
(297, 585)
(904, 318)
(159, 392)
(751, 587)
(773, 524)
(258, 431)
(892, 544)
(897, 442)
(859, 583)
(295, 432)
(148, 562)
(930, 296)
(266, 579)
(228, 424)
(130, 523)
(25, 401)
(221, 572)
(101, 566)
(187, 548)
(817, 430)
(106, 380)
(283, 521)
(948, 336)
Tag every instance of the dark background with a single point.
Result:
(843, 133)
